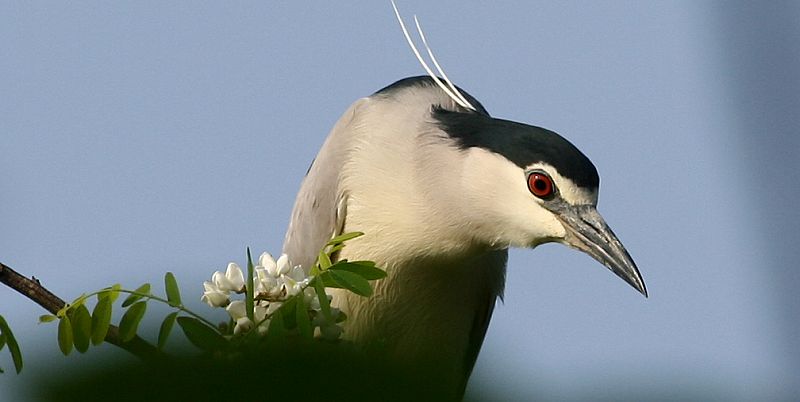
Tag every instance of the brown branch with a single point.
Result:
(32, 289)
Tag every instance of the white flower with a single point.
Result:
(213, 295)
(242, 325)
(283, 265)
(275, 282)
(292, 288)
(237, 309)
(259, 314)
(266, 284)
(232, 281)
(260, 311)
(297, 273)
(238, 312)
(268, 263)
(294, 280)
(216, 292)
(274, 277)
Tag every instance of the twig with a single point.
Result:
(32, 289)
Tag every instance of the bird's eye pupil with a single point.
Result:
(540, 184)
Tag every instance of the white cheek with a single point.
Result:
(535, 226)
(502, 211)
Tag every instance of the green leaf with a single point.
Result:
(352, 282)
(335, 248)
(13, 346)
(303, 322)
(81, 328)
(111, 293)
(47, 318)
(130, 321)
(364, 269)
(136, 295)
(201, 335)
(249, 289)
(166, 328)
(324, 260)
(328, 281)
(289, 317)
(101, 319)
(2, 341)
(343, 238)
(65, 335)
(277, 329)
(363, 262)
(171, 287)
(324, 304)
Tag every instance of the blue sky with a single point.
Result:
(143, 137)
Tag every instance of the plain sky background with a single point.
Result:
(142, 137)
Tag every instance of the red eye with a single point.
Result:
(540, 184)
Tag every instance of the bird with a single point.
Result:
(442, 190)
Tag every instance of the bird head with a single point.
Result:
(524, 185)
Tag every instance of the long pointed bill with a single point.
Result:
(587, 231)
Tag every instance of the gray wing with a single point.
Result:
(321, 207)
(494, 266)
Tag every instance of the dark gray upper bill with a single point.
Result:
(587, 231)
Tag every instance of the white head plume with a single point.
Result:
(449, 89)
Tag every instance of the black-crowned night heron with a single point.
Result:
(442, 190)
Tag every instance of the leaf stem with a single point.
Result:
(180, 307)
